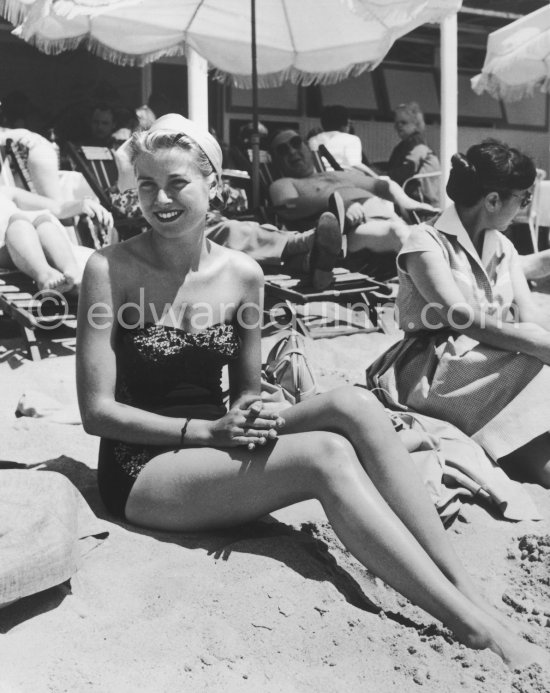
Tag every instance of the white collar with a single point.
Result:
(449, 223)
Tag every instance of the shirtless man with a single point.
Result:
(303, 194)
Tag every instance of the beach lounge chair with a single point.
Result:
(99, 168)
(18, 293)
(19, 301)
(20, 176)
(352, 304)
(81, 230)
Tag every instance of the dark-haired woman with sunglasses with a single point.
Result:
(473, 352)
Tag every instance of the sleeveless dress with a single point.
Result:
(167, 371)
(499, 398)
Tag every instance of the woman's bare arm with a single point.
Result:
(433, 278)
(102, 294)
(244, 373)
(406, 203)
(30, 201)
(100, 298)
(522, 294)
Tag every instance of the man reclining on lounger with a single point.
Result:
(303, 193)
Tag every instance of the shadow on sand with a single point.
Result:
(304, 553)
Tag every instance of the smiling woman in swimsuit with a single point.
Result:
(159, 317)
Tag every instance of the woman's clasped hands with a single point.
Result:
(248, 422)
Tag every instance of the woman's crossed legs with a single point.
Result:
(363, 477)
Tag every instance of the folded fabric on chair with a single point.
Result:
(46, 527)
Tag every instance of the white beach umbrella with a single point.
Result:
(518, 58)
(302, 41)
(251, 42)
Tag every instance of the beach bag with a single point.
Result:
(287, 368)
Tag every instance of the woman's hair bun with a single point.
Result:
(460, 163)
(463, 184)
(488, 166)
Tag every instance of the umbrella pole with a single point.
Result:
(449, 99)
(255, 139)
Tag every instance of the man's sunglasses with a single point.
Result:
(284, 148)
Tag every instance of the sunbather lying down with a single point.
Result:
(34, 241)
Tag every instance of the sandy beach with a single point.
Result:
(277, 605)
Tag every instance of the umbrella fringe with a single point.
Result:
(114, 56)
(291, 74)
(507, 92)
(28, 18)
(13, 11)
(97, 48)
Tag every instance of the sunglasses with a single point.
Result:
(525, 198)
(284, 148)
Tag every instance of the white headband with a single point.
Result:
(174, 122)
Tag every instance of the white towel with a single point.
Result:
(46, 527)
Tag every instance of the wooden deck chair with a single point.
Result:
(324, 160)
(419, 177)
(6, 173)
(98, 166)
(351, 305)
(20, 175)
(82, 231)
(19, 301)
(19, 298)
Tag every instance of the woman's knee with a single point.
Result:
(349, 400)
(16, 227)
(331, 457)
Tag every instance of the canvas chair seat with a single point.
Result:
(99, 167)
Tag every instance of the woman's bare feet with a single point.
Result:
(515, 652)
(55, 281)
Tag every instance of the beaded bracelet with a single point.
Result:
(183, 432)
